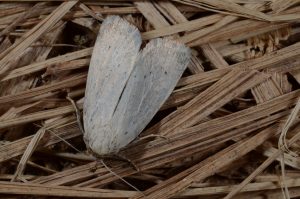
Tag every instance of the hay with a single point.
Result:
(216, 135)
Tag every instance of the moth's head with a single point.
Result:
(101, 141)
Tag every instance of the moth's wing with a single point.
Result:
(156, 73)
(112, 61)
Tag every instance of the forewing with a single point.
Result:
(158, 68)
(112, 61)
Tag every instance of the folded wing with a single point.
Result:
(156, 73)
(112, 62)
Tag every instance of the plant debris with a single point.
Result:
(230, 128)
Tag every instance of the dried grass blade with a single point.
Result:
(208, 167)
(32, 35)
(28, 152)
(60, 191)
(263, 166)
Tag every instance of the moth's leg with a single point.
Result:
(118, 157)
(124, 158)
(96, 166)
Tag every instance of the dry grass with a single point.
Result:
(216, 135)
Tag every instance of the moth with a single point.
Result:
(125, 86)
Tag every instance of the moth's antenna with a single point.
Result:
(101, 160)
(62, 139)
(65, 141)
(77, 113)
(115, 174)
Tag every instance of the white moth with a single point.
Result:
(125, 88)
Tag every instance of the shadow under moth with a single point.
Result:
(126, 86)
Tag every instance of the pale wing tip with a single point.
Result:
(174, 49)
(170, 44)
(114, 24)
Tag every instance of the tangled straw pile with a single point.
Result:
(215, 137)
